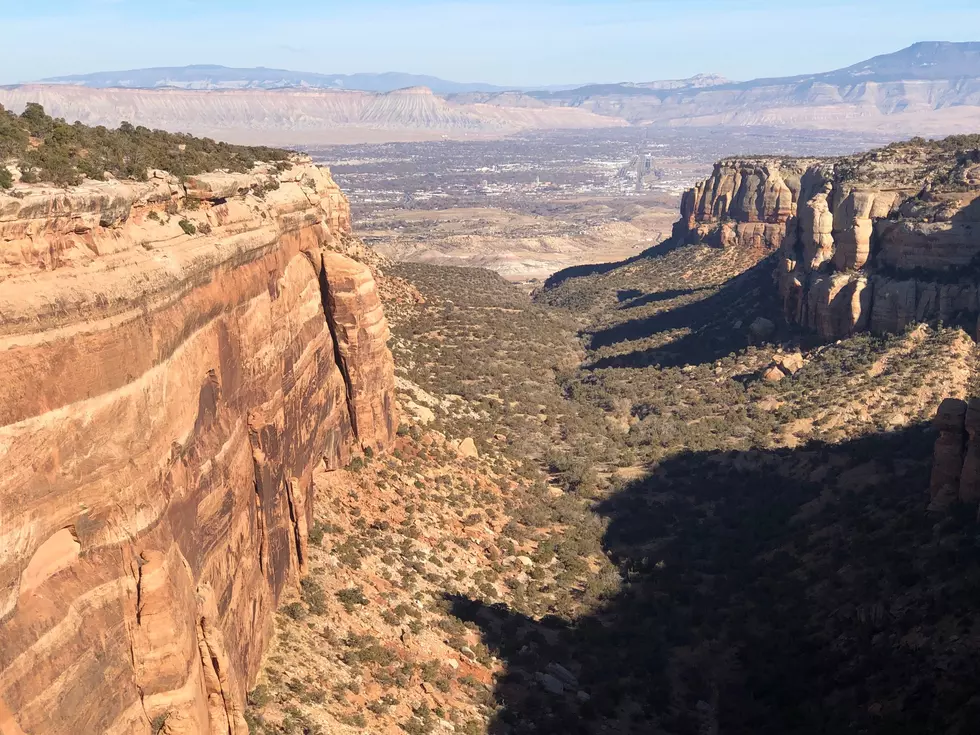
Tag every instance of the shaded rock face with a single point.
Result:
(175, 367)
(956, 458)
(949, 452)
(871, 242)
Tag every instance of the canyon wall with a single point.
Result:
(877, 241)
(177, 358)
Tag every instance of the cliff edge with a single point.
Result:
(178, 357)
(875, 241)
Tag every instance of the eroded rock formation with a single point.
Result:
(947, 468)
(956, 457)
(176, 358)
(878, 241)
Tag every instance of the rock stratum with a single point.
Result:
(178, 358)
(873, 242)
(296, 116)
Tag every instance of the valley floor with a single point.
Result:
(645, 535)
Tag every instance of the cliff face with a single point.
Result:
(176, 360)
(876, 242)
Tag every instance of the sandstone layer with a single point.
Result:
(178, 358)
(878, 241)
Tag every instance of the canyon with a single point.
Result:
(215, 518)
(180, 358)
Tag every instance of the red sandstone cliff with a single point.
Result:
(877, 241)
(176, 360)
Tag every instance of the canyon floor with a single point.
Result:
(530, 205)
(644, 535)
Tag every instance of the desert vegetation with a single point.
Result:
(51, 150)
(608, 512)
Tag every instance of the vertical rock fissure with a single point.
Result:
(337, 355)
(259, 518)
(140, 562)
(139, 589)
(208, 651)
(294, 518)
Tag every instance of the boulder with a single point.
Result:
(791, 363)
(762, 329)
(550, 683)
(467, 448)
(773, 374)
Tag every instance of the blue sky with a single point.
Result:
(511, 42)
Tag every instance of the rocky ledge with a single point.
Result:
(877, 241)
(177, 359)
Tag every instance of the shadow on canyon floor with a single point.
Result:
(707, 316)
(788, 591)
(635, 298)
(595, 269)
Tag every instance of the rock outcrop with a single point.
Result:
(177, 358)
(947, 468)
(956, 457)
(878, 241)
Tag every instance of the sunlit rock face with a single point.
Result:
(177, 358)
(877, 241)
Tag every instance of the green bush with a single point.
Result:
(260, 696)
(316, 533)
(187, 226)
(314, 596)
(6, 178)
(352, 597)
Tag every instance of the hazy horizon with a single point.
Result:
(507, 43)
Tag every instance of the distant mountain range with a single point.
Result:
(211, 77)
(930, 88)
(926, 61)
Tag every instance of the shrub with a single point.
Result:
(188, 227)
(159, 722)
(351, 597)
(314, 596)
(6, 178)
(260, 696)
(316, 533)
(355, 720)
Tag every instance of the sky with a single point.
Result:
(507, 42)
